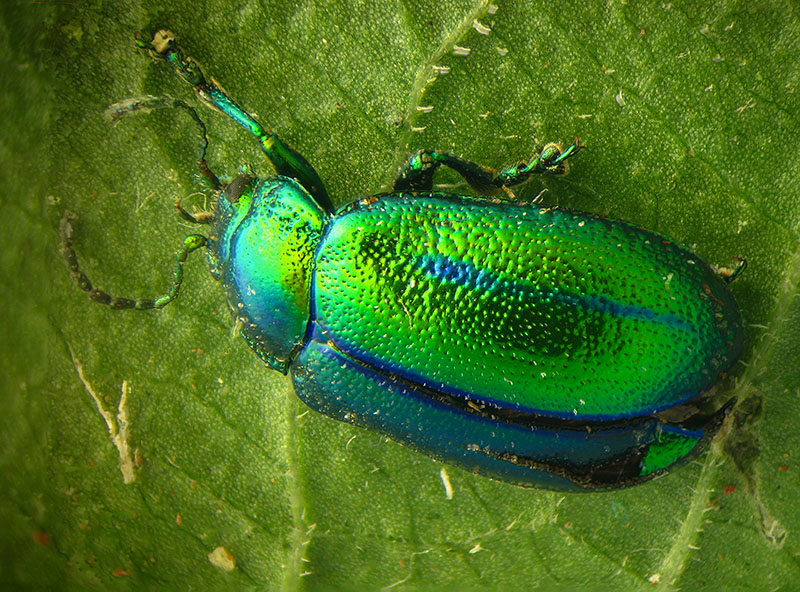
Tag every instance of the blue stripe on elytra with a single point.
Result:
(472, 277)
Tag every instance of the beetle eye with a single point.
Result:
(237, 187)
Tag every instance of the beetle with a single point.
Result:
(534, 345)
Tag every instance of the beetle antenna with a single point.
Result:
(119, 111)
(67, 227)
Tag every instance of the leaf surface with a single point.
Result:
(691, 122)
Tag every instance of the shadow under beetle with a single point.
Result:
(534, 345)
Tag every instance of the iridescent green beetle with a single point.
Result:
(534, 345)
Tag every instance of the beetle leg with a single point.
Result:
(730, 275)
(285, 159)
(552, 160)
(191, 243)
(417, 173)
(198, 218)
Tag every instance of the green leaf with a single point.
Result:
(690, 115)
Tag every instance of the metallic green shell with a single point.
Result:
(535, 309)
